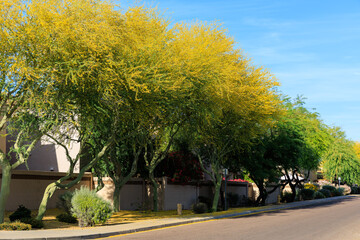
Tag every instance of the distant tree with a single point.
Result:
(314, 137)
(341, 160)
(357, 149)
(281, 151)
(289, 149)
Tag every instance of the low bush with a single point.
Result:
(307, 194)
(64, 217)
(326, 192)
(33, 222)
(319, 195)
(205, 200)
(15, 226)
(332, 189)
(64, 202)
(89, 208)
(354, 190)
(339, 192)
(20, 213)
(286, 197)
(199, 208)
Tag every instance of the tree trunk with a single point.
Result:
(120, 182)
(264, 197)
(5, 189)
(262, 194)
(217, 185)
(293, 189)
(155, 190)
(116, 196)
(49, 191)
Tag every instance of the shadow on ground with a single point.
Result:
(316, 205)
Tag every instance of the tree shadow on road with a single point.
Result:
(315, 205)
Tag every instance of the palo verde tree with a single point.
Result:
(341, 160)
(314, 136)
(78, 131)
(238, 99)
(357, 149)
(120, 75)
(78, 40)
(24, 82)
(121, 160)
(254, 161)
(289, 148)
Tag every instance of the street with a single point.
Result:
(337, 220)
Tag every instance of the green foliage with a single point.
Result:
(199, 208)
(341, 160)
(21, 213)
(64, 202)
(319, 195)
(232, 199)
(206, 200)
(331, 189)
(326, 192)
(89, 208)
(65, 217)
(339, 192)
(33, 222)
(15, 226)
(287, 197)
(354, 190)
(307, 194)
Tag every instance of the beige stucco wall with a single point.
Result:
(132, 194)
(253, 192)
(241, 190)
(47, 156)
(27, 188)
(184, 194)
(137, 195)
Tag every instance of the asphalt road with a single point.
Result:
(337, 220)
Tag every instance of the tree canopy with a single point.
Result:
(126, 83)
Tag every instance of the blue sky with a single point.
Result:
(311, 46)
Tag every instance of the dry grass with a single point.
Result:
(123, 216)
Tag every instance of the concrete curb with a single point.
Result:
(107, 231)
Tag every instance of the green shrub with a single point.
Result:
(319, 195)
(205, 200)
(89, 208)
(15, 226)
(33, 222)
(23, 215)
(332, 189)
(20, 213)
(354, 190)
(200, 208)
(326, 192)
(307, 194)
(286, 197)
(232, 199)
(339, 192)
(64, 217)
(64, 202)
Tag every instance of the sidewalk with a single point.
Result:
(106, 231)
